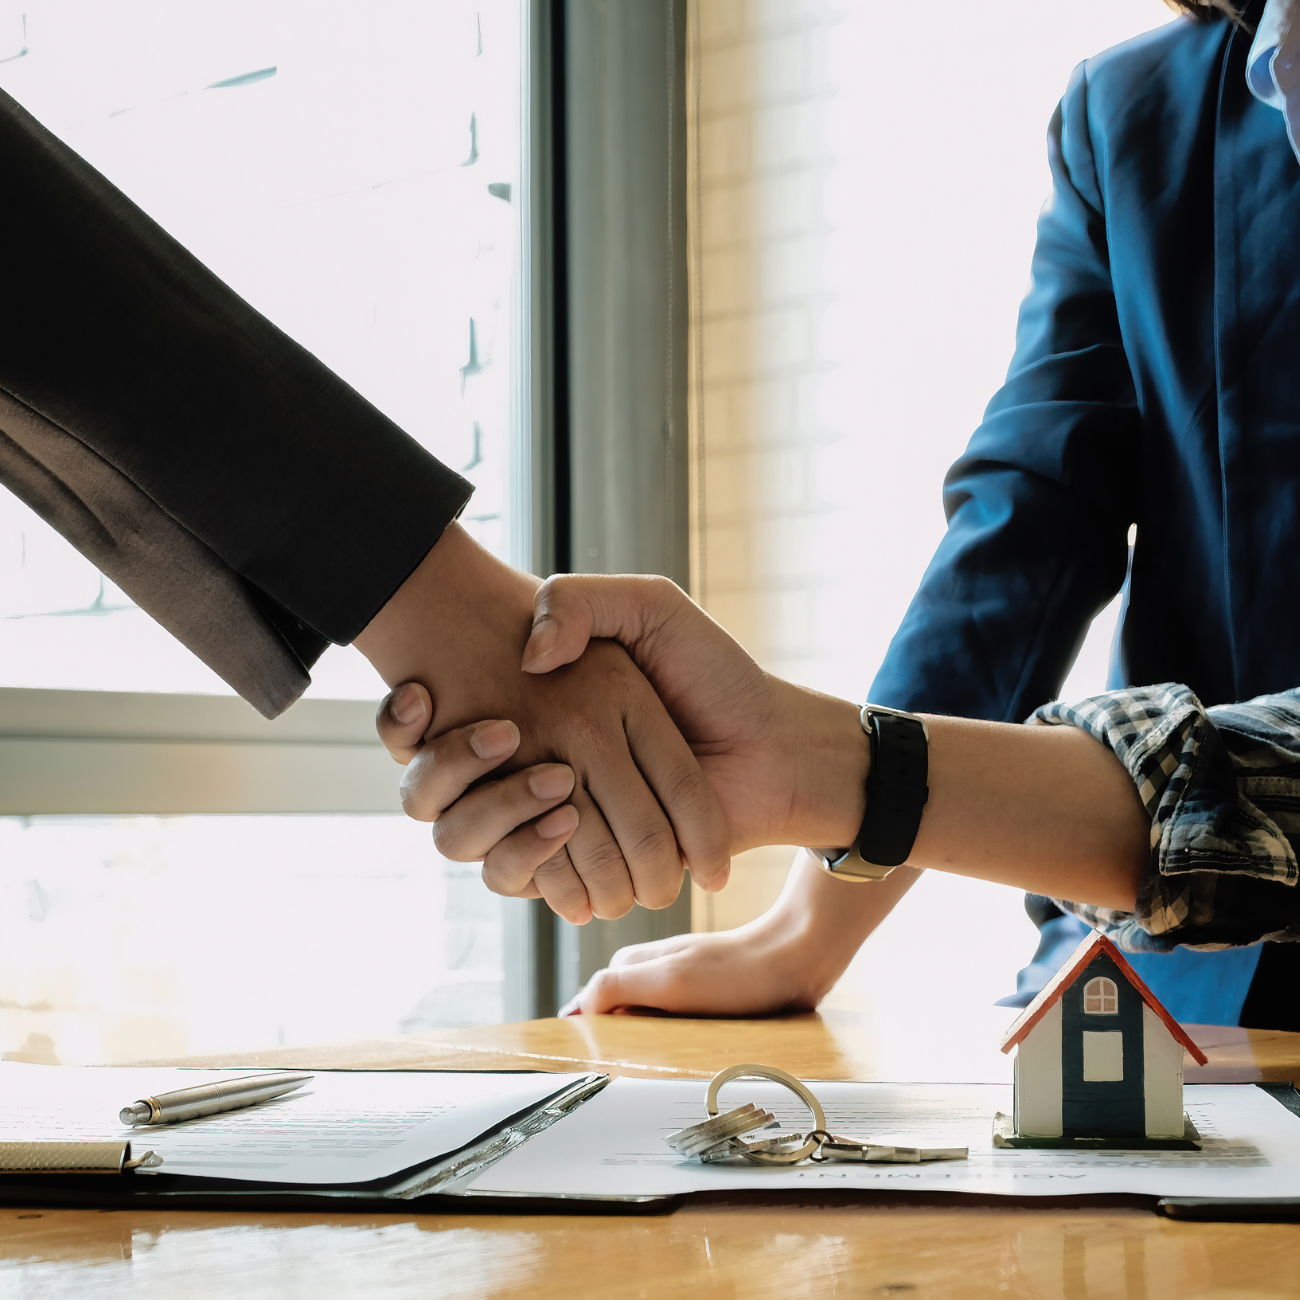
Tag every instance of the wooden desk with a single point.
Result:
(781, 1251)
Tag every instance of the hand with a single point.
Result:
(787, 764)
(786, 960)
(1046, 809)
(456, 627)
(749, 971)
(500, 824)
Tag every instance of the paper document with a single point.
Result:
(613, 1145)
(343, 1127)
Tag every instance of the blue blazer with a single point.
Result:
(1156, 382)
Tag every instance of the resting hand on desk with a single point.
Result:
(1046, 809)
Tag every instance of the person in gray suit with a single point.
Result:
(259, 508)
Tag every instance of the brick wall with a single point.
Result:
(865, 187)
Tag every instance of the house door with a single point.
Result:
(1103, 1086)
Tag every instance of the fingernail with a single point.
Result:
(558, 822)
(406, 705)
(540, 643)
(494, 739)
(552, 782)
(570, 1008)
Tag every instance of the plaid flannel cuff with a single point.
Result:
(1222, 788)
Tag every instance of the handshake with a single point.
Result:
(592, 739)
(632, 740)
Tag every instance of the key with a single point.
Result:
(721, 1129)
(845, 1149)
(839, 1148)
(781, 1146)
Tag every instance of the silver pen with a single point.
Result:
(211, 1098)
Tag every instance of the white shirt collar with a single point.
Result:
(1273, 64)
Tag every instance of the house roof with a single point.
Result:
(1075, 965)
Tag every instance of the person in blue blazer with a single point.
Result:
(1147, 440)
(1155, 384)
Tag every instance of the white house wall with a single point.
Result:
(1038, 1078)
(1162, 1065)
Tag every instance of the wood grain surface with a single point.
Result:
(720, 1249)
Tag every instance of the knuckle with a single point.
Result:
(560, 883)
(496, 882)
(556, 866)
(664, 594)
(502, 876)
(551, 590)
(655, 844)
(554, 595)
(587, 730)
(688, 789)
(602, 863)
(415, 802)
(448, 843)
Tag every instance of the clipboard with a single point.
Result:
(596, 1145)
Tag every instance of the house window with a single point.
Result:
(1100, 997)
(1103, 1057)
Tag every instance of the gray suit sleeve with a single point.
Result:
(230, 483)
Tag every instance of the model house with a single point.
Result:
(1098, 1058)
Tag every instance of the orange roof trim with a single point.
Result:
(1074, 966)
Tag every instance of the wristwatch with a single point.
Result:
(896, 796)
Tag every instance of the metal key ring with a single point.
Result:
(821, 1137)
(772, 1075)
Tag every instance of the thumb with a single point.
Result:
(655, 983)
(569, 609)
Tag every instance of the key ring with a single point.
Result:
(821, 1137)
(753, 1151)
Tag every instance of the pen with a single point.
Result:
(211, 1098)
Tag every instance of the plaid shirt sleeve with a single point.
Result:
(1222, 787)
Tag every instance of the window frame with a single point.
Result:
(592, 358)
(611, 431)
(1102, 990)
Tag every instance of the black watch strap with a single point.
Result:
(897, 791)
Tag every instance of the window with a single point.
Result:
(354, 170)
(1100, 997)
(1103, 1057)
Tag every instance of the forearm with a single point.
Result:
(241, 493)
(425, 632)
(1046, 809)
(824, 920)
